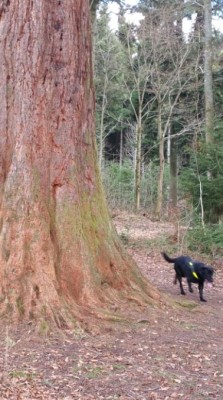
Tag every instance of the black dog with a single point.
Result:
(194, 271)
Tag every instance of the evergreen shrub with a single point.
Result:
(119, 185)
(202, 182)
(206, 240)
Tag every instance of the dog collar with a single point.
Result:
(192, 269)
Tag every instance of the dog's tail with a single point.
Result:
(167, 258)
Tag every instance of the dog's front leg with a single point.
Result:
(201, 288)
(181, 286)
(189, 285)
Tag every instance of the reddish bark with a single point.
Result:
(59, 253)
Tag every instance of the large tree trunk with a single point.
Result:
(59, 253)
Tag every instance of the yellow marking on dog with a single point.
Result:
(195, 275)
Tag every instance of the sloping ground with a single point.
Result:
(173, 353)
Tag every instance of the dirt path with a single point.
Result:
(173, 354)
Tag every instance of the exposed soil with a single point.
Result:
(173, 353)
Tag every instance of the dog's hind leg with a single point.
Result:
(175, 280)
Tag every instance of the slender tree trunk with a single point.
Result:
(138, 165)
(102, 129)
(168, 146)
(59, 253)
(159, 201)
(208, 81)
(173, 174)
(172, 162)
(121, 149)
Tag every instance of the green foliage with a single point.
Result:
(207, 240)
(88, 370)
(110, 67)
(119, 185)
(118, 182)
(156, 53)
(18, 374)
(94, 4)
(204, 179)
(217, 7)
(44, 328)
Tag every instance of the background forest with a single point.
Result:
(159, 99)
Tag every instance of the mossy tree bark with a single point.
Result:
(59, 253)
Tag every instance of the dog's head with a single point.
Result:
(208, 273)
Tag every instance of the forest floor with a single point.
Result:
(173, 353)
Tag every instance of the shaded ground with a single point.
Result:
(173, 354)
